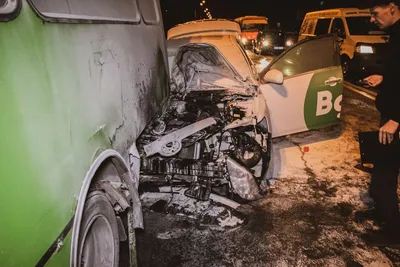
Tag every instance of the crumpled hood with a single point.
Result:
(199, 67)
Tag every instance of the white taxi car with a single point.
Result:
(215, 133)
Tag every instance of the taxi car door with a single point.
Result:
(311, 93)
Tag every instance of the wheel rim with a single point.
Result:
(97, 247)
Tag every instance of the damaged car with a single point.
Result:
(214, 134)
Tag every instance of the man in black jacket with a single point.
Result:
(383, 188)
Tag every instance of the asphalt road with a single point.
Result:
(306, 220)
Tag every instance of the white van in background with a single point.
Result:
(363, 43)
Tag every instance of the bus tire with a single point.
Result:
(99, 237)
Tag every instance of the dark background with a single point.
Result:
(288, 13)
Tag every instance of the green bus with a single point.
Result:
(79, 81)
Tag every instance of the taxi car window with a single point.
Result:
(309, 56)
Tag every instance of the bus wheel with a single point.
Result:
(99, 238)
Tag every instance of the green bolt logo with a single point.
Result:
(323, 99)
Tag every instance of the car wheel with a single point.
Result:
(99, 236)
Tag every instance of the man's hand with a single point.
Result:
(387, 131)
(374, 80)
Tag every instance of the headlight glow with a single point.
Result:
(289, 43)
(265, 43)
(244, 40)
(365, 49)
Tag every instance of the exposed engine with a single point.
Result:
(208, 141)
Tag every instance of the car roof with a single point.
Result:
(204, 27)
(227, 46)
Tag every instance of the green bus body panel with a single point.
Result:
(36, 197)
(61, 101)
(61, 258)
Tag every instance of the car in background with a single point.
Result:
(251, 26)
(363, 43)
(273, 42)
(214, 134)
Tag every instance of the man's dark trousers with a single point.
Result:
(383, 190)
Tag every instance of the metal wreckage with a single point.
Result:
(207, 136)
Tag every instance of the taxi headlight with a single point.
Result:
(265, 43)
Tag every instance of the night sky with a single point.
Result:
(288, 13)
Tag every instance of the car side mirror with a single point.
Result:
(273, 76)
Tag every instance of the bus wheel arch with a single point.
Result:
(107, 168)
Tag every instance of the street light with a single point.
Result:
(202, 3)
